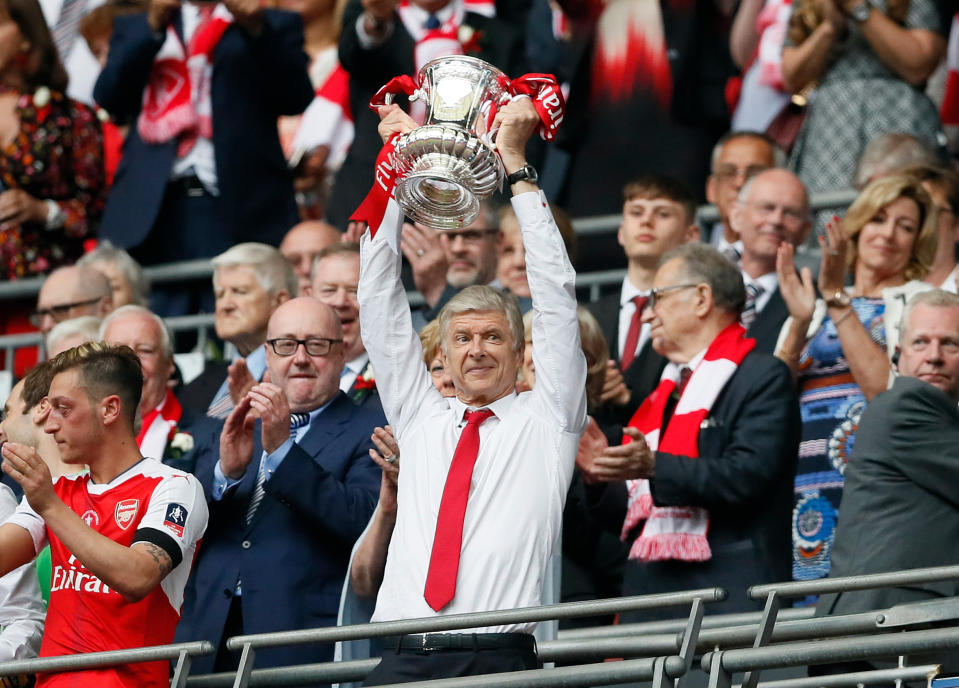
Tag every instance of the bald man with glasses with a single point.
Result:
(69, 293)
(290, 489)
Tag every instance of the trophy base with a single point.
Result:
(445, 173)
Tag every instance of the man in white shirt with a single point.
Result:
(772, 208)
(336, 272)
(474, 531)
(737, 156)
(21, 608)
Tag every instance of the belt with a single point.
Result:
(451, 642)
(188, 186)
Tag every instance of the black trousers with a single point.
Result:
(404, 666)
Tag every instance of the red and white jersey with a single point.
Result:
(150, 502)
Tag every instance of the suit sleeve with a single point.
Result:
(925, 440)
(120, 85)
(341, 507)
(377, 65)
(281, 63)
(761, 447)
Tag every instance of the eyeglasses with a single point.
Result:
(655, 294)
(59, 313)
(470, 236)
(316, 346)
(792, 217)
(730, 172)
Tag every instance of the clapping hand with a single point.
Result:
(387, 456)
(797, 289)
(832, 272)
(626, 461)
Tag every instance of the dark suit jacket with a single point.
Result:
(255, 80)
(900, 507)
(500, 44)
(199, 392)
(292, 557)
(743, 477)
(765, 328)
(201, 428)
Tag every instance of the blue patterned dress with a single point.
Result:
(831, 403)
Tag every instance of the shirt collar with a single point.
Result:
(769, 282)
(629, 291)
(358, 363)
(500, 407)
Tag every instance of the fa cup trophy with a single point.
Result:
(445, 167)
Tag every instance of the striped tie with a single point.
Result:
(753, 292)
(66, 30)
(221, 406)
(297, 420)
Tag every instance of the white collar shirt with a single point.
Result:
(626, 310)
(526, 452)
(21, 608)
(769, 283)
(949, 284)
(351, 370)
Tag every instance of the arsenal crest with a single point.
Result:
(126, 511)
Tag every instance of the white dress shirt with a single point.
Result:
(351, 369)
(21, 608)
(769, 283)
(949, 284)
(527, 450)
(626, 310)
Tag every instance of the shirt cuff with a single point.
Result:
(220, 482)
(273, 460)
(530, 207)
(368, 42)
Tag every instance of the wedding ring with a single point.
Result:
(420, 252)
(391, 458)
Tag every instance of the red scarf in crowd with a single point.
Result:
(169, 413)
(176, 101)
(680, 532)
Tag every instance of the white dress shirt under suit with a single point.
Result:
(527, 450)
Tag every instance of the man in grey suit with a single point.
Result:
(900, 509)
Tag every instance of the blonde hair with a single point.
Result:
(876, 196)
(430, 341)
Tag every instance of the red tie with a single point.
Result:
(632, 335)
(448, 540)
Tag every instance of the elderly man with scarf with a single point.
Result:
(704, 476)
(202, 84)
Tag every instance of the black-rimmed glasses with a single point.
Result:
(655, 294)
(315, 346)
(59, 313)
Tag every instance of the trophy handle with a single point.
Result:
(396, 85)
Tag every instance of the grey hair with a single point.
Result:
(889, 153)
(106, 252)
(703, 263)
(779, 155)
(273, 272)
(86, 325)
(483, 298)
(937, 298)
(747, 188)
(166, 339)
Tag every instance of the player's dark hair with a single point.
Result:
(106, 370)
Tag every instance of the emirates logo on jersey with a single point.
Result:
(126, 511)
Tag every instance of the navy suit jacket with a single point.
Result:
(765, 328)
(292, 557)
(255, 80)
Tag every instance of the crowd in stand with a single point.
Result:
(710, 421)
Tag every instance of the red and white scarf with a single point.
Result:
(158, 427)
(176, 101)
(680, 532)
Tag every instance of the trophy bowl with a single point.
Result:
(446, 167)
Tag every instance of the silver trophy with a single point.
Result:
(447, 166)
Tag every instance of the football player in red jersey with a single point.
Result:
(122, 537)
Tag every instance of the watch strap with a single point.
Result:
(526, 172)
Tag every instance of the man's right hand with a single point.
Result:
(393, 120)
(160, 13)
(236, 440)
(239, 380)
(615, 390)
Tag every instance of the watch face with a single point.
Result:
(860, 12)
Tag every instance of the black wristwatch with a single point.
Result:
(525, 173)
(860, 11)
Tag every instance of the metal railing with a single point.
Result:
(181, 652)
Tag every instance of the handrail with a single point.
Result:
(822, 586)
(179, 651)
(921, 672)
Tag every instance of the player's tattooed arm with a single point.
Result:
(159, 555)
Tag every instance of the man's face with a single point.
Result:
(652, 226)
(307, 381)
(243, 307)
(142, 334)
(300, 246)
(471, 254)
(776, 211)
(17, 426)
(440, 373)
(73, 420)
(739, 160)
(480, 356)
(511, 269)
(673, 320)
(337, 277)
(930, 347)
(61, 298)
(119, 286)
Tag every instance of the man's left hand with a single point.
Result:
(271, 405)
(246, 13)
(23, 464)
(625, 462)
(516, 122)
(17, 207)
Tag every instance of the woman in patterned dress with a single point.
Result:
(870, 59)
(51, 151)
(840, 346)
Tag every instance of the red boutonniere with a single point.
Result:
(469, 38)
(363, 383)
